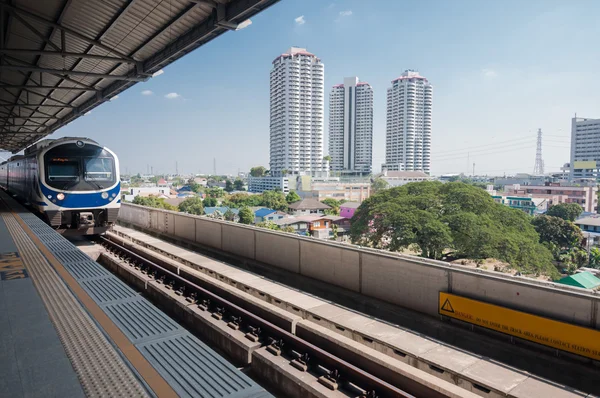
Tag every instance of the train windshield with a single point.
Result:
(98, 169)
(73, 168)
(63, 170)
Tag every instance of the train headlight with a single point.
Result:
(104, 195)
(60, 196)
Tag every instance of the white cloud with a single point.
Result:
(489, 73)
(346, 13)
(300, 20)
(330, 6)
(147, 92)
(172, 96)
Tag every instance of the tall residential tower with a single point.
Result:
(585, 148)
(408, 125)
(351, 127)
(297, 114)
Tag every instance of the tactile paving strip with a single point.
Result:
(158, 338)
(101, 371)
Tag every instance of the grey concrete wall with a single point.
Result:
(407, 281)
(238, 240)
(408, 284)
(185, 227)
(330, 263)
(208, 233)
(277, 250)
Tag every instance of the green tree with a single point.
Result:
(192, 205)
(258, 171)
(243, 199)
(335, 206)
(195, 187)
(151, 201)
(215, 192)
(268, 225)
(378, 184)
(229, 215)
(210, 202)
(566, 211)
(594, 257)
(274, 200)
(453, 219)
(327, 158)
(556, 231)
(292, 197)
(238, 184)
(288, 228)
(228, 186)
(246, 215)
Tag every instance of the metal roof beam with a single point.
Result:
(44, 96)
(66, 30)
(34, 30)
(49, 87)
(35, 105)
(60, 72)
(30, 77)
(64, 54)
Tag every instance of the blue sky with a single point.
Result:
(500, 70)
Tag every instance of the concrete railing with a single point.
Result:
(408, 281)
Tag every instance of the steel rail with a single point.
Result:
(339, 370)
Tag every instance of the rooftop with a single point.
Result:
(595, 221)
(583, 279)
(309, 204)
(404, 174)
(350, 205)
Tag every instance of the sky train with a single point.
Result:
(74, 183)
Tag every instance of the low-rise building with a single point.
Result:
(268, 183)
(555, 193)
(399, 178)
(527, 204)
(590, 227)
(348, 209)
(307, 206)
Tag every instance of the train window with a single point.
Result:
(98, 169)
(63, 171)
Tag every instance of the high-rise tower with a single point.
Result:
(408, 123)
(351, 127)
(297, 113)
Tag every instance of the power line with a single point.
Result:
(516, 140)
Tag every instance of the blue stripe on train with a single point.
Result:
(81, 200)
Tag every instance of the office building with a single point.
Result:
(351, 127)
(585, 149)
(297, 114)
(268, 183)
(408, 124)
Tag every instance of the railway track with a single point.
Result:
(345, 370)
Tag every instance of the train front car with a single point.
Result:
(80, 185)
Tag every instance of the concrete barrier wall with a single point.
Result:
(400, 281)
(407, 281)
(281, 251)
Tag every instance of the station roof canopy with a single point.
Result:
(59, 59)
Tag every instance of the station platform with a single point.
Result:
(69, 328)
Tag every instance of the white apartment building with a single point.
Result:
(268, 183)
(351, 127)
(297, 108)
(585, 149)
(408, 124)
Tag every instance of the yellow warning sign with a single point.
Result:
(563, 336)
